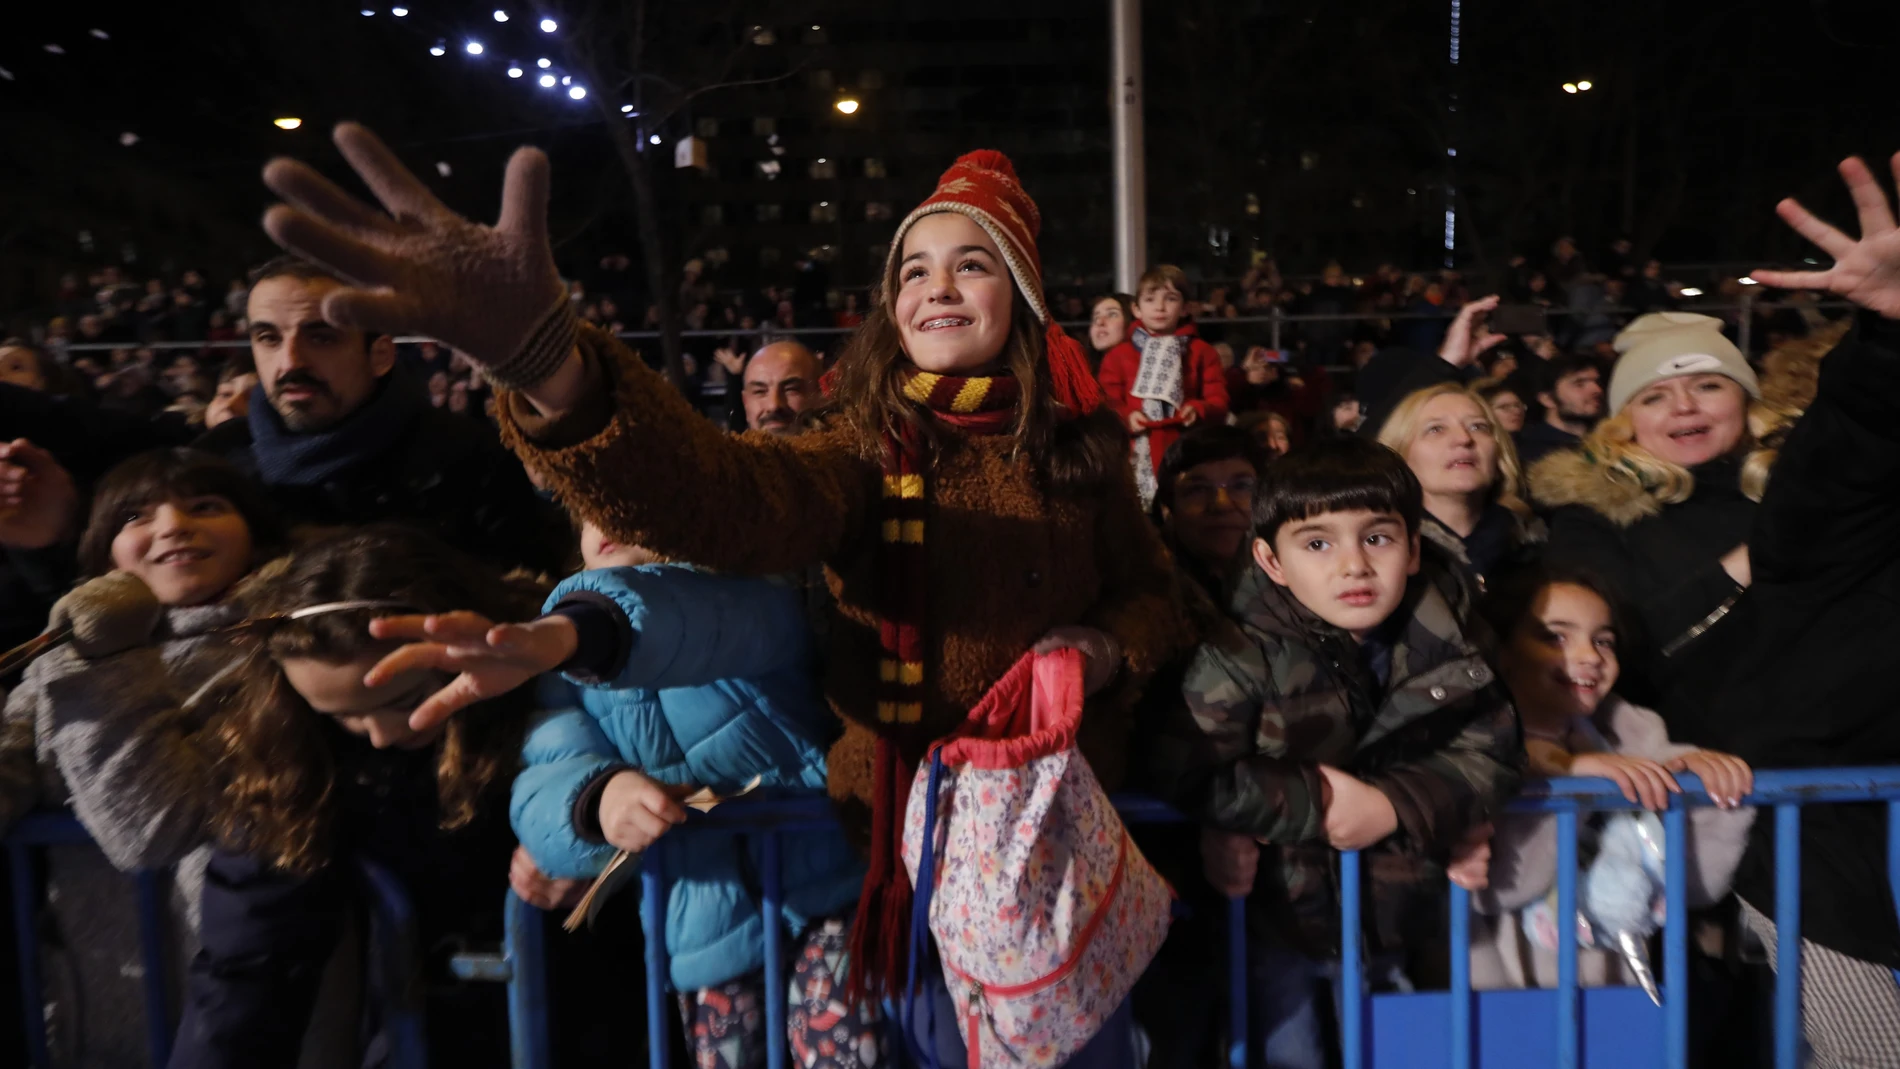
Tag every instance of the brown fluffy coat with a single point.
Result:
(1008, 561)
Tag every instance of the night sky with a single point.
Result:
(1702, 115)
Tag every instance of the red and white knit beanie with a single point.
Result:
(983, 186)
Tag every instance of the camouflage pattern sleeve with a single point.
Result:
(1209, 758)
(1462, 784)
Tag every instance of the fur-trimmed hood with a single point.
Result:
(1617, 493)
(1573, 477)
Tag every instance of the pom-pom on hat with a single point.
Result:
(1665, 345)
(983, 186)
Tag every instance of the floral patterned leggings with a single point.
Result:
(725, 1025)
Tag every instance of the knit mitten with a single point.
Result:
(108, 615)
(492, 292)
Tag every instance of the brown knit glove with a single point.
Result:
(108, 615)
(491, 292)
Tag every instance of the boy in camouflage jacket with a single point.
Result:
(1348, 706)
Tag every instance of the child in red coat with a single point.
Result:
(1164, 378)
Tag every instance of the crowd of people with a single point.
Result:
(499, 609)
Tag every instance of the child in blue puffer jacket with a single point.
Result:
(708, 685)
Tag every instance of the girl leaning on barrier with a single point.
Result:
(965, 489)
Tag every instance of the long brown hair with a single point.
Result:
(867, 397)
(276, 770)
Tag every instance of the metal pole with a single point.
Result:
(1131, 177)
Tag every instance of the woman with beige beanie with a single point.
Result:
(1657, 500)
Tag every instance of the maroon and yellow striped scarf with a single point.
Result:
(973, 405)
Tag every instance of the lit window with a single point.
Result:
(825, 211)
(874, 167)
(877, 211)
(825, 168)
(770, 213)
(706, 127)
(764, 126)
(712, 215)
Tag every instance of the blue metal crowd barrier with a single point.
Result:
(393, 936)
(1567, 1026)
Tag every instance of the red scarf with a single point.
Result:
(975, 406)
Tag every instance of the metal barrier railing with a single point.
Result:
(1486, 1029)
(1456, 1029)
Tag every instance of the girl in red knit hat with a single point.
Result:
(964, 488)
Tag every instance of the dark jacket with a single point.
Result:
(447, 474)
(1502, 540)
(1539, 439)
(1269, 699)
(266, 936)
(1662, 561)
(1814, 684)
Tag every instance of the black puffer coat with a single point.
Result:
(1811, 684)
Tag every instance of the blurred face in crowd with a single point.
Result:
(1348, 567)
(1455, 452)
(1510, 410)
(599, 550)
(1578, 396)
(1212, 510)
(1159, 308)
(439, 389)
(1347, 415)
(1560, 661)
(188, 550)
(781, 380)
(379, 714)
(1690, 419)
(1260, 367)
(231, 401)
(1108, 325)
(315, 374)
(953, 295)
(1274, 435)
(19, 367)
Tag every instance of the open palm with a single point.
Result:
(1866, 271)
(420, 268)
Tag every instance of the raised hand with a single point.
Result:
(1867, 271)
(635, 811)
(39, 505)
(1470, 866)
(1467, 339)
(422, 269)
(489, 660)
(540, 890)
(1645, 782)
(1727, 778)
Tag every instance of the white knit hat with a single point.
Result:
(1665, 345)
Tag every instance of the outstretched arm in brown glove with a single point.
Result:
(489, 291)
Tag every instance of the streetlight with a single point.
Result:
(577, 93)
(544, 63)
(399, 12)
(549, 25)
(1570, 87)
(287, 123)
(1586, 85)
(514, 70)
(847, 106)
(500, 15)
(547, 81)
(474, 48)
(438, 49)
